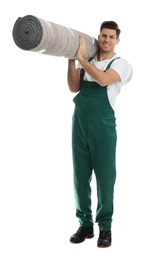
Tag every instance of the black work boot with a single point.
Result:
(104, 239)
(81, 234)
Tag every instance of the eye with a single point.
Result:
(103, 35)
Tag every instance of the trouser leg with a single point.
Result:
(103, 151)
(82, 171)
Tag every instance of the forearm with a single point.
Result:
(104, 78)
(73, 78)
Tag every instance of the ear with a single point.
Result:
(117, 41)
(98, 37)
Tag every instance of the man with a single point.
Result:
(98, 82)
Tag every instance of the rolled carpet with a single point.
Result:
(31, 33)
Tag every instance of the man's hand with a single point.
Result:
(82, 48)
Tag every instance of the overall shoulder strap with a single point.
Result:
(90, 59)
(109, 64)
(82, 70)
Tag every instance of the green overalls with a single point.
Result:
(94, 148)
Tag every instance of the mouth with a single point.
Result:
(106, 45)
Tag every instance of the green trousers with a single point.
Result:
(94, 150)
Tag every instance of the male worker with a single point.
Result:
(98, 82)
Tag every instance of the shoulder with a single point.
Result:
(123, 68)
(121, 63)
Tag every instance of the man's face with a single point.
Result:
(107, 40)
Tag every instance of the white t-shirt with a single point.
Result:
(121, 66)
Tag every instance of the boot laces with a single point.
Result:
(104, 234)
(80, 230)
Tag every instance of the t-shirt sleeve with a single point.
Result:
(124, 69)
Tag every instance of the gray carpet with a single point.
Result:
(31, 33)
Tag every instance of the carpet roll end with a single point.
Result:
(27, 32)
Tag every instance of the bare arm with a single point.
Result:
(73, 76)
(102, 77)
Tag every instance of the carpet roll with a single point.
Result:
(31, 33)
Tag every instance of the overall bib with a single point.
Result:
(94, 149)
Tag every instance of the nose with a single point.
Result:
(107, 38)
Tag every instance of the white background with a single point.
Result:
(37, 212)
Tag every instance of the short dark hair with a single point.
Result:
(111, 25)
